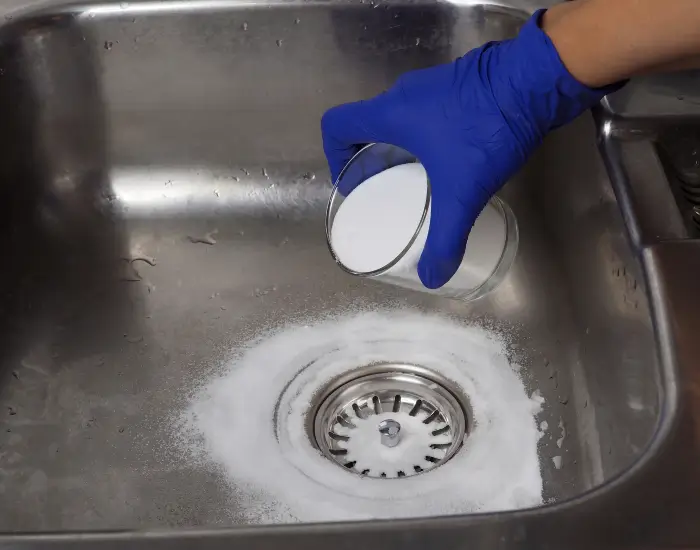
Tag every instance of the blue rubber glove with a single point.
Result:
(472, 123)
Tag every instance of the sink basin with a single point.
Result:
(163, 197)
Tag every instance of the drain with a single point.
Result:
(389, 421)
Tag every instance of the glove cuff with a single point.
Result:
(551, 93)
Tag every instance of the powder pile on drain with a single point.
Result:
(250, 423)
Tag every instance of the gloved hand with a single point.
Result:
(472, 124)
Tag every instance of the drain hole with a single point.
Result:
(416, 408)
(338, 437)
(344, 422)
(442, 430)
(435, 417)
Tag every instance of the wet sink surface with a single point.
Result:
(162, 201)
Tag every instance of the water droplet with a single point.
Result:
(108, 45)
(297, 21)
(264, 173)
(236, 178)
(150, 260)
(168, 183)
(417, 41)
(258, 292)
(309, 176)
(216, 192)
(244, 26)
(124, 5)
(208, 238)
(279, 43)
(8, 18)
(245, 171)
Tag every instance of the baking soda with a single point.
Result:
(249, 422)
(378, 219)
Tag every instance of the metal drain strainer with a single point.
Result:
(393, 421)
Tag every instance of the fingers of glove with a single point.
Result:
(345, 129)
(451, 220)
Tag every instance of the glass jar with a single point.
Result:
(491, 246)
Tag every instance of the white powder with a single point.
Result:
(377, 220)
(241, 426)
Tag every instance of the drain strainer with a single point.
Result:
(389, 421)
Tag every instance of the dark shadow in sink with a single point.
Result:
(59, 232)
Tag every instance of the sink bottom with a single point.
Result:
(253, 422)
(162, 204)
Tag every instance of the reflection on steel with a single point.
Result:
(115, 154)
(390, 432)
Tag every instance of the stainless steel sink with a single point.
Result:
(163, 190)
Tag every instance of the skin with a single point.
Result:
(604, 41)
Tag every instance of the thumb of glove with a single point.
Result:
(452, 216)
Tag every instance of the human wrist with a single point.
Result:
(540, 86)
(571, 27)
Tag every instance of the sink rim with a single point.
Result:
(660, 442)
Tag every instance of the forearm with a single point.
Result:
(604, 41)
